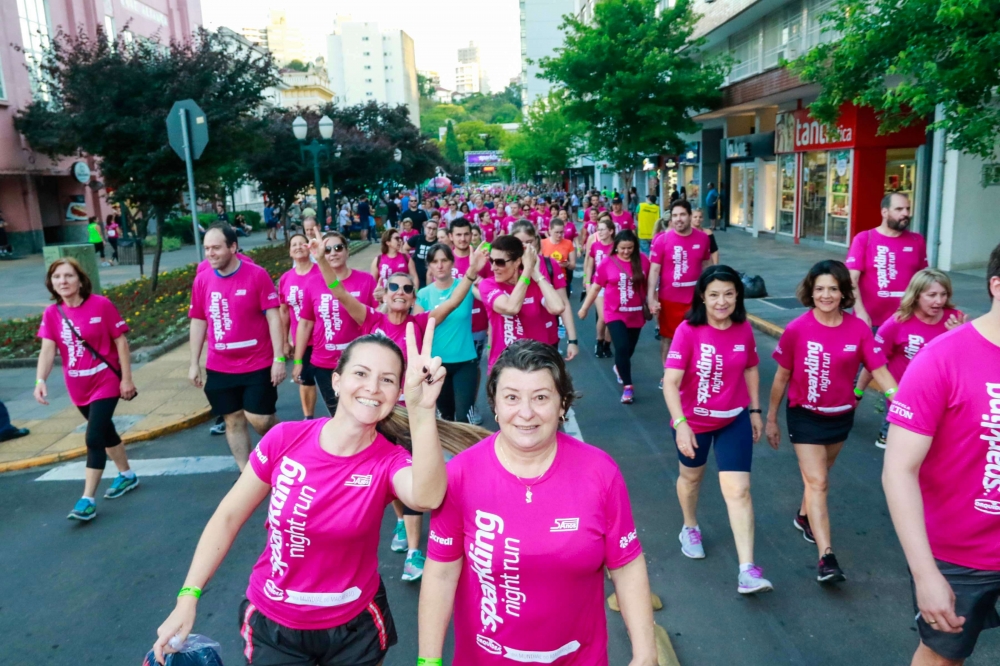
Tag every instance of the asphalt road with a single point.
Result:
(95, 593)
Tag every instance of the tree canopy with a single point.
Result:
(502, 107)
(546, 141)
(635, 76)
(903, 58)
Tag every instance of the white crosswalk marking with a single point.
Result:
(571, 427)
(148, 467)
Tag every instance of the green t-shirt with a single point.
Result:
(94, 229)
(453, 338)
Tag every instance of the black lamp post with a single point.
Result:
(316, 148)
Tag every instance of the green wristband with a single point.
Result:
(677, 422)
(425, 661)
(334, 284)
(858, 393)
(526, 280)
(891, 392)
(190, 592)
(279, 359)
(298, 361)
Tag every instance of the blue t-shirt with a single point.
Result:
(452, 338)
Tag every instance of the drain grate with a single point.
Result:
(786, 303)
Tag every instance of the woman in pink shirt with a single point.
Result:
(818, 357)
(316, 582)
(393, 259)
(711, 386)
(89, 334)
(294, 287)
(623, 277)
(925, 312)
(486, 224)
(407, 232)
(599, 248)
(531, 519)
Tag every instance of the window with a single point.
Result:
(367, 53)
(744, 47)
(815, 34)
(364, 39)
(3, 89)
(109, 29)
(368, 66)
(368, 80)
(35, 31)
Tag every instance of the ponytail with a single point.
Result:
(454, 437)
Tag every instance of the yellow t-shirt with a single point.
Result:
(648, 215)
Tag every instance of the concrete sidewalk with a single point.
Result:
(166, 403)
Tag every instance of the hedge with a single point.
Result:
(181, 227)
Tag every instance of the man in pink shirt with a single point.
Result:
(942, 482)
(883, 260)
(623, 219)
(235, 305)
(509, 221)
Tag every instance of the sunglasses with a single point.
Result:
(499, 263)
(339, 247)
(407, 288)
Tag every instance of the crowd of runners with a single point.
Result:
(526, 520)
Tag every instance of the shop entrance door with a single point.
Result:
(750, 174)
(741, 183)
(814, 188)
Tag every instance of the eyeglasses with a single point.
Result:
(339, 247)
(499, 263)
(395, 286)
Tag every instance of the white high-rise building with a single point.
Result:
(469, 77)
(370, 65)
(540, 37)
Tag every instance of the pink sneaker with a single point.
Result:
(627, 396)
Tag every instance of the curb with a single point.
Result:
(190, 421)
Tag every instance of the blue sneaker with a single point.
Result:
(413, 568)
(83, 510)
(121, 485)
(399, 538)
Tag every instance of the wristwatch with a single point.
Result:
(573, 342)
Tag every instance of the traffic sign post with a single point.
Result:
(187, 131)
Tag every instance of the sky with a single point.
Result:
(438, 28)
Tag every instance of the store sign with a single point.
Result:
(736, 149)
(81, 171)
(691, 153)
(797, 131)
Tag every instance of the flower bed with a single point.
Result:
(152, 316)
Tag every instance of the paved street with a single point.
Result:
(98, 591)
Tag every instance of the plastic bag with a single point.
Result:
(198, 650)
(753, 286)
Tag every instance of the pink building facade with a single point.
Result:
(41, 200)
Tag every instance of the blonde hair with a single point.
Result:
(920, 283)
(661, 226)
(455, 437)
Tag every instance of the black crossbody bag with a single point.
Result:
(86, 345)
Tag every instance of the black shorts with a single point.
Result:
(976, 596)
(253, 392)
(807, 427)
(308, 376)
(362, 641)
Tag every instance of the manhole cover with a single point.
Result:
(787, 303)
(122, 423)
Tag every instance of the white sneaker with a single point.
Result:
(752, 581)
(690, 538)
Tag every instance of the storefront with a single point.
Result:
(750, 168)
(830, 186)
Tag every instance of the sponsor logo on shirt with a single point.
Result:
(218, 310)
(74, 347)
(696, 247)
(626, 291)
(95, 320)
(991, 435)
(817, 364)
(359, 480)
(483, 553)
(489, 644)
(241, 292)
(627, 539)
(566, 525)
(444, 541)
(913, 345)
(260, 456)
(329, 313)
(295, 295)
(850, 348)
(908, 248)
(120, 324)
(991, 507)
(901, 410)
(674, 355)
(739, 348)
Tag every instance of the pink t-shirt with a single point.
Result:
(599, 252)
(682, 260)
(558, 281)
(824, 361)
(406, 236)
(542, 223)
(293, 290)
(532, 583)
(506, 224)
(531, 322)
(203, 265)
(334, 329)
(388, 265)
(379, 322)
(622, 300)
(714, 389)
(480, 322)
(624, 220)
(571, 232)
(958, 404)
(319, 568)
(900, 342)
(233, 307)
(886, 265)
(97, 321)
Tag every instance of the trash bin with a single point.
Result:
(129, 252)
(84, 253)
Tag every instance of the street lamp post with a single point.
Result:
(316, 148)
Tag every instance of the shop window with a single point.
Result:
(839, 211)
(901, 171)
(109, 29)
(814, 194)
(35, 35)
(786, 194)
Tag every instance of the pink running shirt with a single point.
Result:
(388, 265)
(532, 322)
(379, 322)
(234, 307)
(506, 224)
(824, 361)
(293, 291)
(319, 568)
(532, 583)
(333, 328)
(622, 301)
(599, 252)
(97, 321)
(558, 281)
(900, 342)
(714, 389)
(571, 232)
(624, 220)
(682, 260)
(480, 322)
(887, 265)
(958, 405)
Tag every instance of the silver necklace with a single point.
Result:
(527, 488)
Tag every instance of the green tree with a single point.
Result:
(298, 66)
(635, 76)
(425, 86)
(452, 152)
(904, 58)
(436, 116)
(111, 100)
(477, 135)
(546, 141)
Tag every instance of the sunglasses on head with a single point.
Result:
(339, 247)
(395, 286)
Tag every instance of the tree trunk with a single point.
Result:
(159, 249)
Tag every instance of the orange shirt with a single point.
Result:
(557, 251)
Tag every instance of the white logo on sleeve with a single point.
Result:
(566, 525)
(260, 456)
(901, 410)
(444, 541)
(360, 480)
(627, 539)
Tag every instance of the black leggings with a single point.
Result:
(101, 433)
(324, 380)
(459, 391)
(625, 339)
(114, 248)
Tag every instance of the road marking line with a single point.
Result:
(571, 427)
(148, 467)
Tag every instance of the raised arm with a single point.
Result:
(355, 308)
(510, 304)
(476, 262)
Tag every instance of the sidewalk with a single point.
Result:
(166, 403)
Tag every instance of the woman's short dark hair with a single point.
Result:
(86, 287)
(698, 314)
(827, 267)
(531, 356)
(509, 245)
(440, 247)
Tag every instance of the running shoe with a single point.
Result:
(752, 581)
(880, 442)
(475, 418)
(599, 349)
(607, 350)
(398, 544)
(83, 510)
(690, 538)
(121, 485)
(829, 571)
(801, 523)
(218, 429)
(413, 569)
(617, 376)
(627, 395)
(660, 385)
